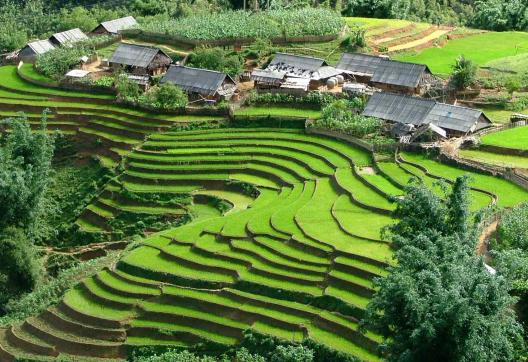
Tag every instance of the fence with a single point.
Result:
(503, 127)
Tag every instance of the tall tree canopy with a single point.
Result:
(439, 303)
(25, 164)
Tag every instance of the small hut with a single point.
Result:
(140, 60)
(29, 53)
(68, 37)
(113, 27)
(201, 84)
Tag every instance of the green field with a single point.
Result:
(495, 158)
(481, 48)
(516, 138)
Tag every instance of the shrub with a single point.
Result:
(356, 39)
(464, 73)
(216, 59)
(513, 228)
(165, 97)
(341, 116)
(318, 99)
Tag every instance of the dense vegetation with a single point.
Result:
(440, 303)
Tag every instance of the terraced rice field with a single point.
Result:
(296, 260)
(395, 35)
(514, 138)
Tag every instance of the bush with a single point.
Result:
(513, 228)
(464, 73)
(355, 39)
(317, 99)
(341, 116)
(216, 59)
(165, 97)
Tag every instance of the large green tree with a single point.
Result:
(439, 302)
(25, 165)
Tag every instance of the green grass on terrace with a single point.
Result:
(508, 193)
(278, 111)
(10, 79)
(516, 138)
(481, 48)
(30, 71)
(495, 158)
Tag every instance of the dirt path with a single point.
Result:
(413, 44)
(482, 245)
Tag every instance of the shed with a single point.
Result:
(455, 120)
(139, 59)
(409, 78)
(296, 65)
(201, 83)
(113, 27)
(264, 78)
(33, 49)
(68, 37)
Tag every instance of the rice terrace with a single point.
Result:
(202, 181)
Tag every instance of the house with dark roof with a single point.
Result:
(29, 53)
(139, 59)
(68, 37)
(113, 27)
(386, 74)
(201, 84)
(404, 109)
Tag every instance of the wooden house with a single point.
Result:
(113, 27)
(454, 120)
(386, 74)
(68, 37)
(201, 84)
(139, 59)
(32, 50)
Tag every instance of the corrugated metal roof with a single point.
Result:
(202, 81)
(134, 55)
(358, 63)
(451, 117)
(398, 108)
(70, 36)
(296, 65)
(399, 73)
(264, 75)
(114, 26)
(418, 111)
(326, 72)
(41, 46)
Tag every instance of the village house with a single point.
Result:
(201, 84)
(294, 74)
(418, 113)
(386, 74)
(113, 27)
(29, 53)
(68, 37)
(139, 60)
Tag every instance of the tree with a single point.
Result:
(167, 96)
(19, 265)
(512, 85)
(78, 17)
(439, 303)
(25, 164)
(217, 59)
(464, 73)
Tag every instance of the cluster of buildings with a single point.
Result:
(395, 91)
(395, 88)
(72, 36)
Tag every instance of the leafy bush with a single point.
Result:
(216, 59)
(513, 228)
(165, 97)
(517, 104)
(242, 24)
(341, 116)
(105, 81)
(355, 39)
(464, 73)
